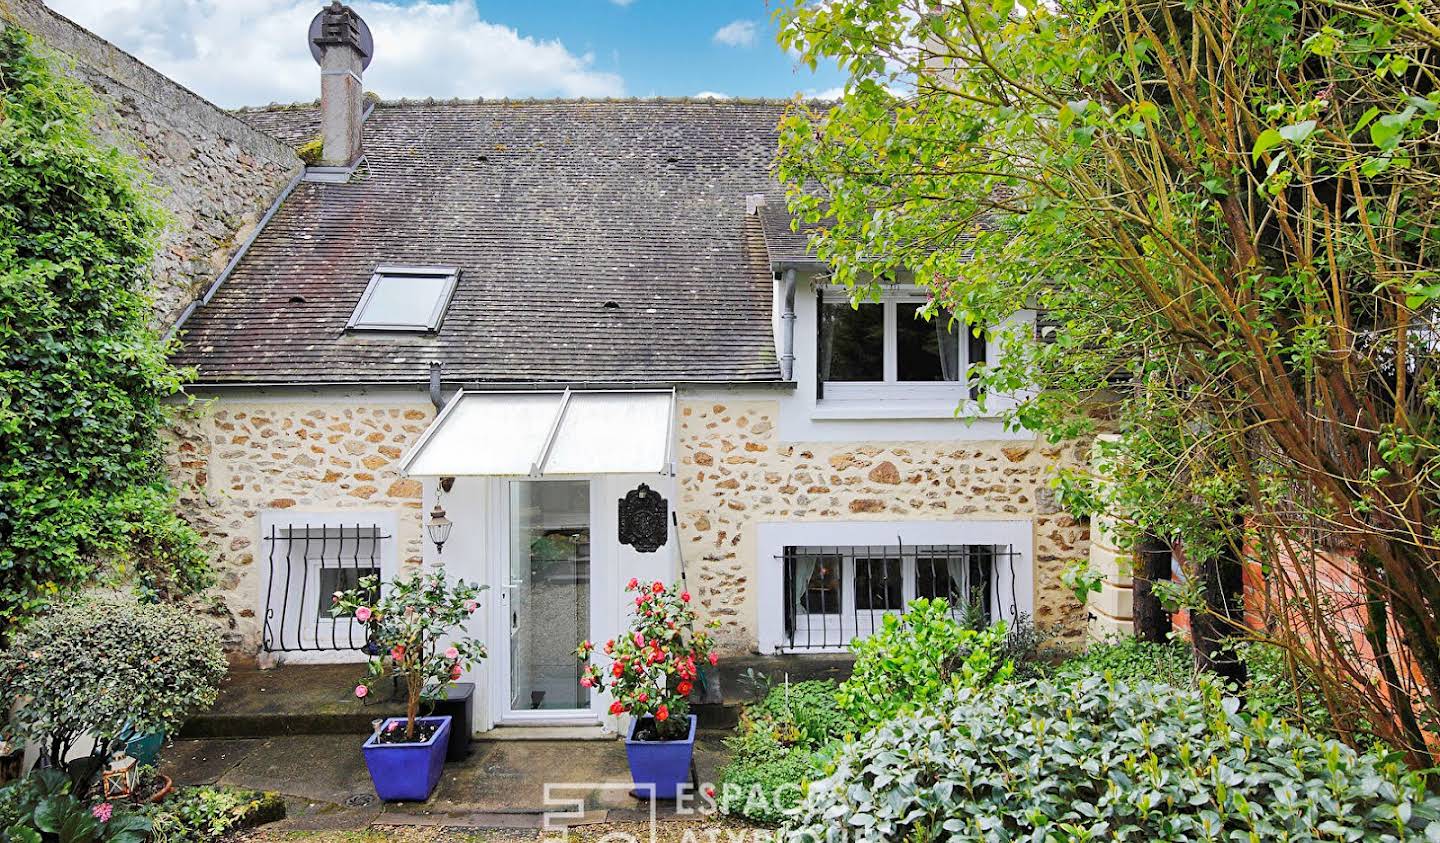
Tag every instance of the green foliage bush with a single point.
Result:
(83, 376)
(41, 808)
(207, 814)
(1099, 759)
(1131, 660)
(781, 743)
(916, 656)
(104, 664)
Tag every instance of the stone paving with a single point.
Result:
(500, 785)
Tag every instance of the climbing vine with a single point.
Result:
(83, 376)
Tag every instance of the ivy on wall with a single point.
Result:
(84, 379)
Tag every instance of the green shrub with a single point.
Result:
(41, 808)
(781, 743)
(800, 713)
(1131, 660)
(1102, 759)
(916, 656)
(205, 814)
(106, 664)
(764, 776)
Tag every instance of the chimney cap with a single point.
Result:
(338, 25)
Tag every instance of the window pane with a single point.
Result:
(933, 580)
(926, 351)
(822, 588)
(407, 300)
(341, 579)
(852, 342)
(877, 584)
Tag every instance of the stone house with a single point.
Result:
(585, 334)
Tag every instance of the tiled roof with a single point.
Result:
(551, 209)
(788, 248)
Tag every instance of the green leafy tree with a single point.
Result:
(1228, 210)
(83, 377)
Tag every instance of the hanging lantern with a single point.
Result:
(439, 527)
(121, 777)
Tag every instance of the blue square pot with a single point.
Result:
(661, 764)
(407, 772)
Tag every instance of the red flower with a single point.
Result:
(714, 659)
(617, 707)
(662, 713)
(684, 686)
(657, 587)
(643, 697)
(710, 791)
(618, 669)
(633, 584)
(639, 601)
(685, 596)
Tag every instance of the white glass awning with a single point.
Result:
(546, 434)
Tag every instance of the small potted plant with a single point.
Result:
(649, 672)
(417, 625)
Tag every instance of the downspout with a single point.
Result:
(787, 327)
(435, 397)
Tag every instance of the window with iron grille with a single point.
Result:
(834, 594)
(307, 561)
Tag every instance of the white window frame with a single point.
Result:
(773, 537)
(847, 621)
(891, 300)
(449, 274)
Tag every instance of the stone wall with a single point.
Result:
(239, 457)
(735, 472)
(214, 175)
(233, 459)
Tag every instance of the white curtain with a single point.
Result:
(804, 568)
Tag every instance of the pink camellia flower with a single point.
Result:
(633, 584)
(471, 606)
(714, 659)
(639, 601)
(455, 673)
(639, 640)
(397, 652)
(363, 614)
(586, 682)
(643, 696)
(394, 724)
(361, 691)
(102, 811)
(685, 597)
(452, 654)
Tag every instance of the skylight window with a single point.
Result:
(405, 298)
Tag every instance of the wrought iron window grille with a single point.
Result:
(307, 563)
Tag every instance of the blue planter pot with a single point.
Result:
(407, 772)
(663, 765)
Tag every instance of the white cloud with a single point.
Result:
(711, 95)
(254, 52)
(827, 94)
(740, 33)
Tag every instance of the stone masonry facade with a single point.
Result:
(235, 458)
(736, 472)
(214, 175)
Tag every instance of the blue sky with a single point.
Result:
(252, 52)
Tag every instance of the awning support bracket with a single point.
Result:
(537, 468)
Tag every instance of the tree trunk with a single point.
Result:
(1213, 628)
(1152, 564)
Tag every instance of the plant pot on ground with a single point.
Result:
(651, 672)
(413, 621)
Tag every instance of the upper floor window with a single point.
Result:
(867, 351)
(405, 298)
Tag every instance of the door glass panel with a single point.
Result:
(549, 593)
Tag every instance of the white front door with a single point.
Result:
(548, 601)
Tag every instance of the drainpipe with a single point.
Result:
(787, 328)
(435, 397)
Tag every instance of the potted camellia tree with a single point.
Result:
(649, 672)
(417, 628)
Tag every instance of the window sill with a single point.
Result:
(851, 409)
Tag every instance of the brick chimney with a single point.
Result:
(343, 54)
